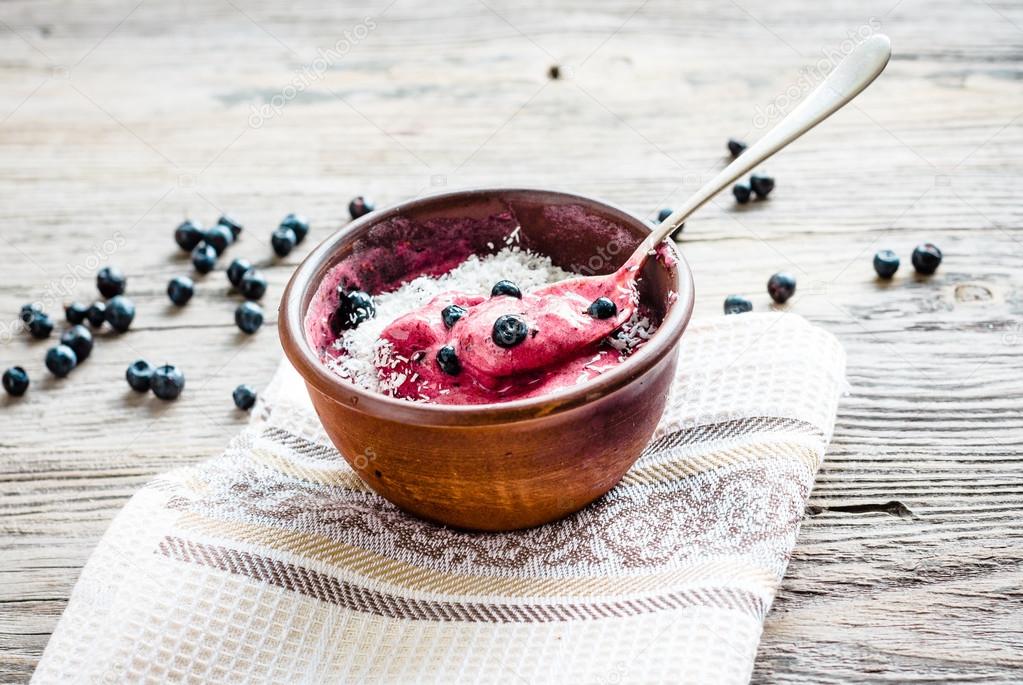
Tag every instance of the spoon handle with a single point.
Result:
(845, 82)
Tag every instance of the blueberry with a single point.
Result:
(140, 375)
(506, 288)
(736, 147)
(737, 304)
(97, 314)
(60, 360)
(40, 326)
(781, 287)
(741, 191)
(79, 339)
(219, 237)
(353, 308)
(761, 185)
(167, 382)
(602, 308)
(360, 206)
(447, 360)
(248, 317)
(451, 314)
(886, 263)
(244, 397)
(28, 311)
(180, 290)
(663, 214)
(236, 270)
(15, 381)
(297, 223)
(926, 258)
(231, 225)
(120, 313)
(204, 258)
(283, 241)
(110, 281)
(76, 313)
(253, 285)
(188, 235)
(509, 331)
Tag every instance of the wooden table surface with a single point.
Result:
(119, 118)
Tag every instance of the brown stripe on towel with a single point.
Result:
(746, 427)
(326, 588)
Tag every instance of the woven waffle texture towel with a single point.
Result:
(274, 563)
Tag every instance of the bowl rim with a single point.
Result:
(303, 284)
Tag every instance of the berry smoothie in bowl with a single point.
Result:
(467, 377)
(447, 339)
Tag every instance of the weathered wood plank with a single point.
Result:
(120, 118)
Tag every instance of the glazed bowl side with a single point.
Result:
(496, 477)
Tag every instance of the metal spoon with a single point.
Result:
(854, 73)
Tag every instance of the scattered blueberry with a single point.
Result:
(236, 270)
(120, 313)
(111, 281)
(219, 237)
(97, 314)
(248, 317)
(180, 290)
(447, 360)
(167, 382)
(509, 331)
(663, 214)
(353, 308)
(40, 326)
(360, 206)
(297, 223)
(231, 224)
(76, 313)
(28, 311)
(506, 288)
(79, 339)
(188, 235)
(204, 258)
(602, 308)
(283, 240)
(451, 314)
(781, 287)
(886, 263)
(60, 360)
(140, 375)
(737, 304)
(15, 381)
(741, 191)
(736, 147)
(926, 258)
(761, 185)
(252, 285)
(244, 397)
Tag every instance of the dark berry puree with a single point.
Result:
(469, 349)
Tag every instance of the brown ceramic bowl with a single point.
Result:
(494, 466)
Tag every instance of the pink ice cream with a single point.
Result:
(551, 338)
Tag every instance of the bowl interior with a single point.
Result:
(432, 235)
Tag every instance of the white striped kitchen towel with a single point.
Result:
(274, 563)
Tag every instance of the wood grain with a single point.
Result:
(119, 118)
